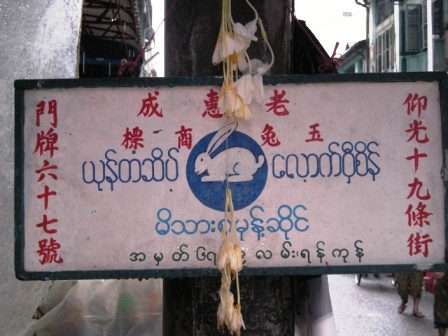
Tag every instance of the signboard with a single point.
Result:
(127, 178)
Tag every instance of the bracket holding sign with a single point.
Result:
(126, 178)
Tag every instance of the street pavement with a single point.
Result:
(371, 308)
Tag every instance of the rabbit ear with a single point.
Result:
(221, 136)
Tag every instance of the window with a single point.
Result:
(379, 53)
(383, 9)
(437, 18)
(425, 23)
(385, 51)
(415, 27)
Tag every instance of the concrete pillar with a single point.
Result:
(38, 39)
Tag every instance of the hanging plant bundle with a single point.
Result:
(242, 86)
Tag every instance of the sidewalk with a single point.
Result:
(371, 308)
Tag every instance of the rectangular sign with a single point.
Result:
(127, 178)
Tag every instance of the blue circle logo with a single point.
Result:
(227, 158)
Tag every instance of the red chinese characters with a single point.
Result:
(184, 138)
(315, 134)
(211, 105)
(417, 214)
(45, 196)
(416, 157)
(416, 190)
(48, 251)
(52, 111)
(150, 106)
(46, 142)
(45, 223)
(414, 102)
(416, 132)
(269, 137)
(277, 104)
(42, 172)
(133, 139)
(46, 146)
(418, 244)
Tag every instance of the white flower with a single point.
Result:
(239, 257)
(257, 82)
(224, 254)
(245, 88)
(237, 321)
(244, 35)
(242, 61)
(245, 113)
(250, 88)
(230, 255)
(227, 257)
(228, 306)
(221, 317)
(225, 46)
(228, 101)
(257, 67)
(232, 104)
(226, 281)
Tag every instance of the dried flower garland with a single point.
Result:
(229, 261)
(231, 49)
(237, 94)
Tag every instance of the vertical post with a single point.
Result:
(429, 36)
(368, 38)
(191, 32)
(366, 4)
(398, 32)
(270, 304)
(192, 29)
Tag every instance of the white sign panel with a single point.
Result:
(324, 174)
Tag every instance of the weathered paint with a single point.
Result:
(38, 39)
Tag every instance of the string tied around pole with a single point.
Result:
(332, 62)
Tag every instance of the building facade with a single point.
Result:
(354, 58)
(408, 35)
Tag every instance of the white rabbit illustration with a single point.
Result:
(236, 164)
